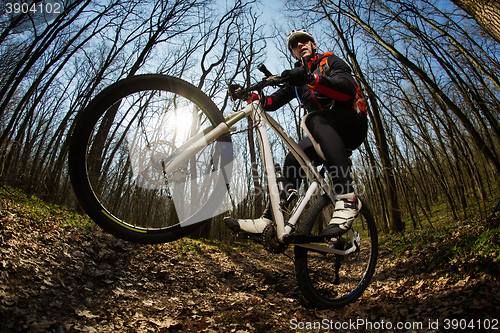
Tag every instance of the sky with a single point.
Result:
(272, 14)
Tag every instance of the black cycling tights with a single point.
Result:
(335, 131)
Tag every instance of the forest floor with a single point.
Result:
(59, 273)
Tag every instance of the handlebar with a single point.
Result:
(268, 80)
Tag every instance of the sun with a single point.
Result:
(183, 121)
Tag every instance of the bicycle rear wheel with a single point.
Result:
(329, 280)
(121, 145)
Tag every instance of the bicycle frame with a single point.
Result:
(260, 118)
(257, 113)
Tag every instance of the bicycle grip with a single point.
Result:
(305, 65)
(264, 70)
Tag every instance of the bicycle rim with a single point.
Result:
(316, 272)
(121, 146)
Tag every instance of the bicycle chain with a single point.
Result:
(270, 240)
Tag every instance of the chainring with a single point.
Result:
(270, 240)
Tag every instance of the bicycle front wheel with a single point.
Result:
(329, 280)
(120, 150)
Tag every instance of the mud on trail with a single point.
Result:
(55, 278)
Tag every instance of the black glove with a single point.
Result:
(298, 76)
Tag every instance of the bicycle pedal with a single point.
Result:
(246, 235)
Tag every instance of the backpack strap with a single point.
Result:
(360, 104)
(323, 64)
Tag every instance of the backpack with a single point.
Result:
(360, 105)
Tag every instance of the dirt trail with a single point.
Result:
(55, 279)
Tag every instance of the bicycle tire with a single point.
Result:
(320, 288)
(113, 148)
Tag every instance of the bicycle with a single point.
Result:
(146, 180)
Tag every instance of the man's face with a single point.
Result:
(303, 47)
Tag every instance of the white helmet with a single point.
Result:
(297, 33)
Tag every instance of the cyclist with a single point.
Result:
(334, 127)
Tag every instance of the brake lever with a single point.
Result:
(243, 94)
(238, 92)
(274, 80)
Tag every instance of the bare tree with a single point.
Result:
(396, 224)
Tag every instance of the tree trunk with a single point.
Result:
(396, 223)
(485, 12)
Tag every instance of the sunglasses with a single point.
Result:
(302, 40)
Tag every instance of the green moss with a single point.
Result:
(35, 210)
